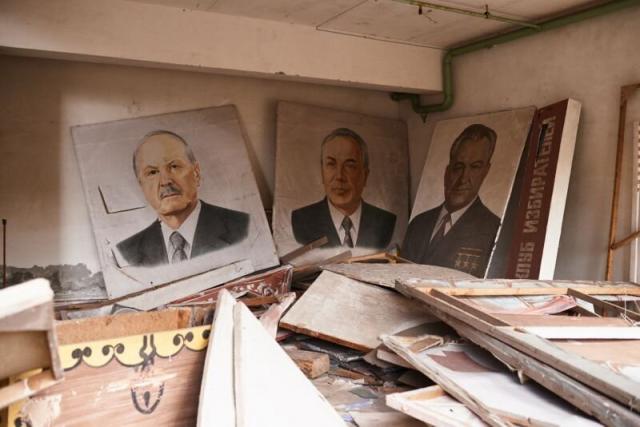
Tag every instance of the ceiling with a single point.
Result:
(391, 20)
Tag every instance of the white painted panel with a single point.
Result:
(131, 32)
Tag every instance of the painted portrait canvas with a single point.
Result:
(339, 175)
(464, 189)
(171, 196)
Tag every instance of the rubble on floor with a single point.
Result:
(358, 343)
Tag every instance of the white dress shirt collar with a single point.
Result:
(455, 216)
(337, 217)
(187, 230)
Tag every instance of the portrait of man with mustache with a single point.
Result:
(459, 233)
(169, 176)
(343, 216)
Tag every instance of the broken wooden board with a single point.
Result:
(121, 325)
(432, 405)
(217, 400)
(270, 283)
(266, 376)
(383, 419)
(583, 332)
(352, 313)
(142, 380)
(311, 363)
(154, 298)
(585, 398)
(479, 284)
(271, 317)
(387, 274)
(27, 339)
(485, 386)
(601, 378)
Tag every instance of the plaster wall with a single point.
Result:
(588, 61)
(40, 188)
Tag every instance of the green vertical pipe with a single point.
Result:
(552, 24)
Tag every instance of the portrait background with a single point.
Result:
(300, 131)
(117, 207)
(512, 128)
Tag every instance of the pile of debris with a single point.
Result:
(367, 342)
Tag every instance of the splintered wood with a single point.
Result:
(352, 313)
(572, 357)
(388, 274)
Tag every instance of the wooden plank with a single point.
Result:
(303, 249)
(604, 305)
(559, 320)
(486, 387)
(583, 332)
(593, 290)
(26, 387)
(589, 401)
(514, 283)
(311, 363)
(27, 334)
(121, 325)
(164, 295)
(487, 317)
(352, 313)
(608, 382)
(271, 317)
(269, 283)
(433, 406)
(383, 419)
(217, 399)
(387, 274)
(309, 269)
(265, 377)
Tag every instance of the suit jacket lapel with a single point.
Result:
(153, 249)
(327, 226)
(210, 232)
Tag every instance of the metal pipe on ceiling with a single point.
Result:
(551, 24)
(484, 15)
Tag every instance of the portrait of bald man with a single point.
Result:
(342, 215)
(186, 227)
(459, 233)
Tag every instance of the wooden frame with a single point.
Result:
(608, 382)
(28, 339)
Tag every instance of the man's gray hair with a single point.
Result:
(352, 135)
(475, 132)
(187, 149)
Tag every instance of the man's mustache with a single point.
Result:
(169, 190)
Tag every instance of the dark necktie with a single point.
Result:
(437, 238)
(178, 242)
(347, 225)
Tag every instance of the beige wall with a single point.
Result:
(40, 188)
(589, 62)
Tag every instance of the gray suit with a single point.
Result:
(217, 228)
(313, 222)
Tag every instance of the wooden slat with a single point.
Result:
(265, 377)
(583, 332)
(591, 402)
(608, 382)
(485, 292)
(217, 401)
(598, 303)
(352, 313)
